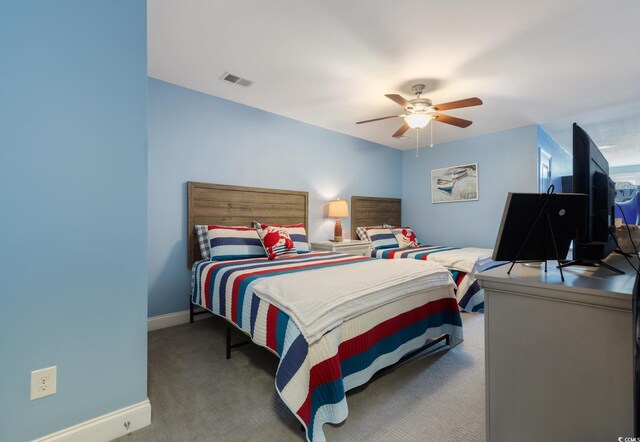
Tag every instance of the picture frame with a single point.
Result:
(454, 184)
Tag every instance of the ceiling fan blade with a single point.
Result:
(377, 119)
(467, 102)
(452, 120)
(399, 100)
(400, 132)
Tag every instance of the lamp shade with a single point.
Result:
(338, 209)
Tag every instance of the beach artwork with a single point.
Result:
(453, 184)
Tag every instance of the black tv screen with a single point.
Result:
(594, 240)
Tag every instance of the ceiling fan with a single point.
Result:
(420, 111)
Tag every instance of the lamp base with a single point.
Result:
(337, 231)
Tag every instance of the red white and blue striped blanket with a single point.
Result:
(463, 263)
(312, 378)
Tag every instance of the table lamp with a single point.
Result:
(338, 209)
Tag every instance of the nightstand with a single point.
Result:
(352, 247)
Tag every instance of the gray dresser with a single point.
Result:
(559, 356)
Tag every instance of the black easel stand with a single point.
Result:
(595, 263)
(544, 211)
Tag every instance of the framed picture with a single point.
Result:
(453, 184)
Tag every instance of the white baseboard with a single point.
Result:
(106, 427)
(171, 319)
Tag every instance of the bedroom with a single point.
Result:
(94, 141)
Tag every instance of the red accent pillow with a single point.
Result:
(277, 242)
(405, 237)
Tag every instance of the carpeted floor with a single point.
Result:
(198, 395)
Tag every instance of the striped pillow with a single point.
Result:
(227, 243)
(362, 232)
(381, 238)
(405, 237)
(276, 242)
(297, 233)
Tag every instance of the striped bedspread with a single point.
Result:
(463, 263)
(312, 378)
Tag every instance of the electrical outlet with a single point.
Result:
(43, 382)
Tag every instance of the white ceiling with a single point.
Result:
(329, 63)
(614, 128)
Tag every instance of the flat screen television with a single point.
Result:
(594, 240)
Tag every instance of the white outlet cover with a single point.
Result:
(43, 382)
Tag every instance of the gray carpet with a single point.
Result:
(198, 395)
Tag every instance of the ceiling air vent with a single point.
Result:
(236, 80)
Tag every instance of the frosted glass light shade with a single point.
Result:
(417, 121)
(338, 209)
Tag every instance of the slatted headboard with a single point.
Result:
(373, 211)
(239, 206)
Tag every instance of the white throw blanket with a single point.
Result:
(319, 300)
(465, 259)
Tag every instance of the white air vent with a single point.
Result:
(236, 80)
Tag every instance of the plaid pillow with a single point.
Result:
(276, 242)
(381, 238)
(227, 243)
(405, 237)
(362, 232)
(297, 233)
(203, 241)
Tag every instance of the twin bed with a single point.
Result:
(463, 263)
(332, 319)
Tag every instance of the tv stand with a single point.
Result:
(594, 263)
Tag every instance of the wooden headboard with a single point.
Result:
(372, 211)
(239, 206)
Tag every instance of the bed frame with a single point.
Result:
(238, 206)
(373, 211)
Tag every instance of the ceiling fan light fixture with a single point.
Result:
(417, 121)
(418, 112)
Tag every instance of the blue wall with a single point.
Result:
(73, 196)
(506, 163)
(197, 137)
(561, 160)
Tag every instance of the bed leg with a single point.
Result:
(447, 339)
(236, 345)
(228, 341)
(190, 311)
